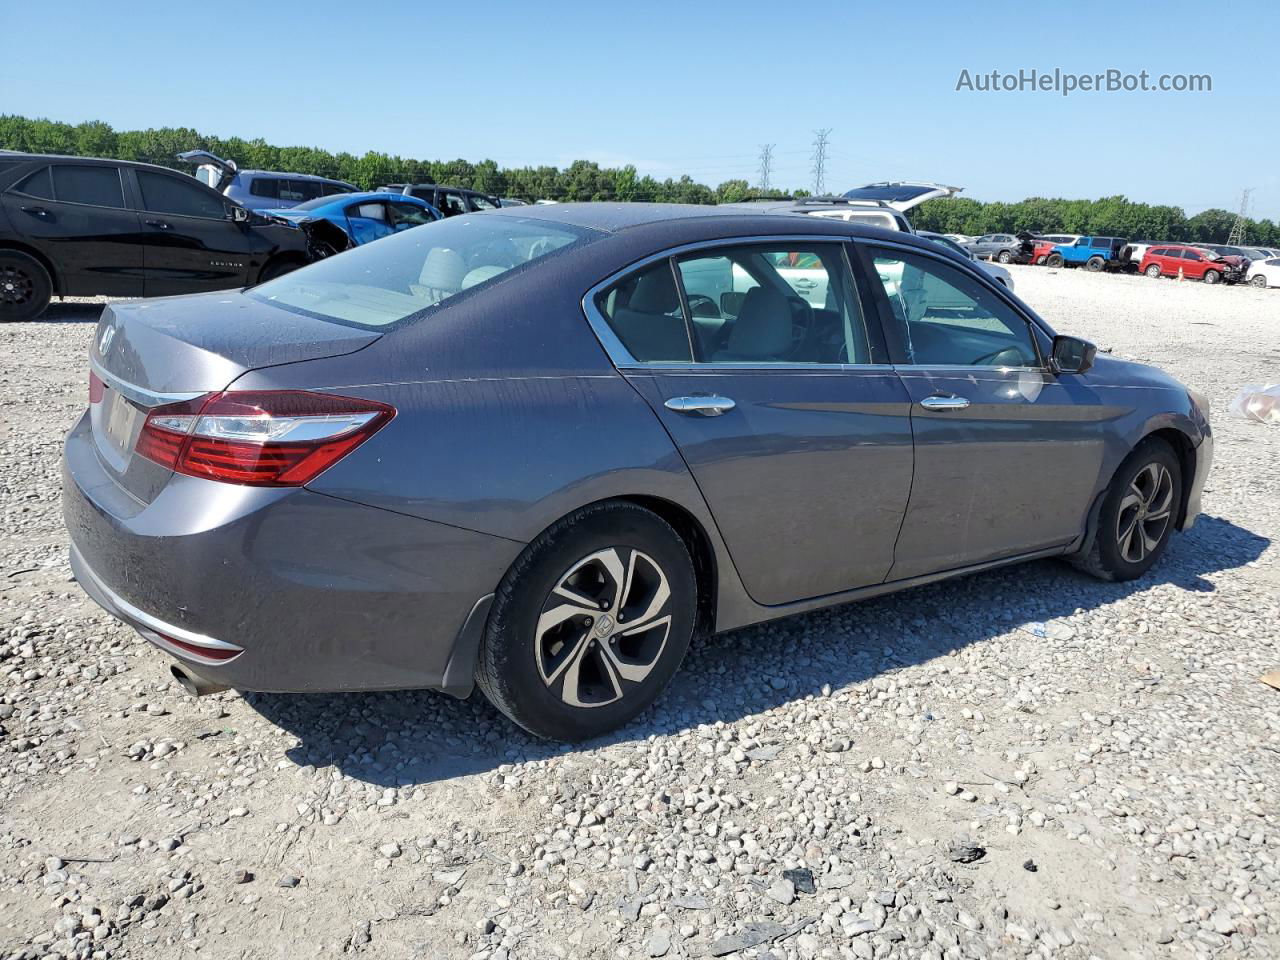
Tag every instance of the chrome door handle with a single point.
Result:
(702, 406)
(944, 403)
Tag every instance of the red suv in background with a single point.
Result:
(1194, 263)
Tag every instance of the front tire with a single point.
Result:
(1153, 271)
(1212, 276)
(1259, 281)
(590, 623)
(1053, 260)
(25, 287)
(1138, 514)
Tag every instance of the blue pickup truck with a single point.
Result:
(1093, 253)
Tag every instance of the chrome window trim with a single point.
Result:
(139, 395)
(622, 358)
(1004, 293)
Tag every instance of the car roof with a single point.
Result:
(105, 161)
(289, 176)
(696, 222)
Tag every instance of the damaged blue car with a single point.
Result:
(336, 223)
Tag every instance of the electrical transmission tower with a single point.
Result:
(820, 139)
(1237, 229)
(766, 166)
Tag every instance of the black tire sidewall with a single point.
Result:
(1054, 261)
(42, 288)
(507, 655)
(1109, 548)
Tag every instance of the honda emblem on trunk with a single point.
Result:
(105, 342)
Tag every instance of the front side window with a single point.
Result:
(405, 215)
(162, 193)
(93, 185)
(452, 204)
(481, 203)
(404, 274)
(944, 317)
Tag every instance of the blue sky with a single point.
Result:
(692, 88)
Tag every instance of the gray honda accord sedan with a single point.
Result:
(537, 449)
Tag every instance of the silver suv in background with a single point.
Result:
(261, 189)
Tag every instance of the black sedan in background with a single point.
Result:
(76, 226)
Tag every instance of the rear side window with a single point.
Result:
(93, 185)
(383, 283)
(265, 187)
(643, 311)
(183, 198)
(38, 184)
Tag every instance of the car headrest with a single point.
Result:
(443, 270)
(763, 329)
(655, 292)
(480, 275)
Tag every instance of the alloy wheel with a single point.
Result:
(16, 286)
(1145, 513)
(603, 627)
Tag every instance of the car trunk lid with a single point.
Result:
(152, 354)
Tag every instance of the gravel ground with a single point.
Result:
(1022, 763)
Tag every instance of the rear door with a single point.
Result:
(796, 431)
(1007, 454)
(76, 214)
(192, 244)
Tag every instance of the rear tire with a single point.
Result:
(558, 656)
(25, 287)
(1040, 261)
(1138, 514)
(1005, 257)
(1153, 271)
(1095, 264)
(1053, 260)
(1212, 276)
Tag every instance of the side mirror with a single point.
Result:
(1072, 355)
(240, 215)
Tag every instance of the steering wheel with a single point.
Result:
(1008, 357)
(701, 305)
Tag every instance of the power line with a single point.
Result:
(820, 161)
(766, 165)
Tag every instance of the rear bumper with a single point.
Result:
(322, 594)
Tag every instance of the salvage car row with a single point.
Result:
(1210, 263)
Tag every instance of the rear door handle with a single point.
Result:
(950, 402)
(36, 211)
(162, 224)
(700, 406)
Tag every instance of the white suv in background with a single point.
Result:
(884, 205)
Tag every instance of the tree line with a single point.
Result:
(585, 180)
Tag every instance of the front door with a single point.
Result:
(192, 243)
(76, 215)
(796, 431)
(1007, 455)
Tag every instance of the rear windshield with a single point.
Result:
(891, 193)
(400, 275)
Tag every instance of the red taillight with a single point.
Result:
(96, 387)
(280, 438)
